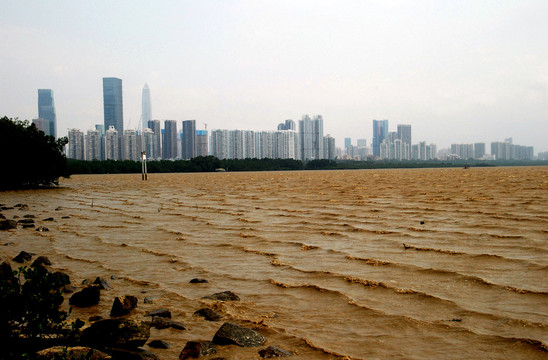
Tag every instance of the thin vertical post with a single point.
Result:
(144, 174)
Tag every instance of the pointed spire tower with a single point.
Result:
(146, 112)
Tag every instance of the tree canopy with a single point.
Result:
(30, 157)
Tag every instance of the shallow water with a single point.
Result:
(368, 264)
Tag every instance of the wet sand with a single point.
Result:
(367, 264)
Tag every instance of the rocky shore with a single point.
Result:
(134, 326)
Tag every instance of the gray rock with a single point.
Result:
(274, 351)
(123, 305)
(8, 224)
(166, 313)
(223, 296)
(29, 216)
(88, 296)
(164, 323)
(42, 228)
(117, 333)
(25, 221)
(102, 283)
(159, 344)
(208, 314)
(196, 349)
(49, 219)
(232, 334)
(77, 352)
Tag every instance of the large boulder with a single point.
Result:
(196, 349)
(88, 296)
(6, 272)
(117, 333)
(123, 305)
(8, 224)
(23, 257)
(77, 352)
(41, 261)
(208, 314)
(273, 351)
(223, 296)
(232, 334)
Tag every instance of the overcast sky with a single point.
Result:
(457, 71)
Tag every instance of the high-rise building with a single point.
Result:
(131, 145)
(202, 148)
(112, 142)
(329, 147)
(347, 142)
(113, 104)
(93, 145)
(46, 111)
(169, 143)
(147, 142)
(311, 138)
(76, 144)
(479, 150)
(156, 153)
(188, 146)
(287, 125)
(404, 133)
(362, 143)
(380, 132)
(146, 109)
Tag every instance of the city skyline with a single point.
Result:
(443, 68)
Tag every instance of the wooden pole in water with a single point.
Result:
(144, 174)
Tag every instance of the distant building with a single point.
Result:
(311, 138)
(43, 125)
(380, 133)
(404, 133)
(113, 104)
(131, 145)
(46, 111)
(347, 142)
(156, 153)
(188, 145)
(287, 125)
(147, 143)
(112, 149)
(479, 150)
(93, 145)
(76, 144)
(169, 143)
(202, 144)
(146, 109)
(329, 147)
(362, 143)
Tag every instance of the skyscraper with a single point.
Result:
(404, 133)
(46, 111)
(188, 148)
(201, 143)
(146, 110)
(156, 153)
(76, 144)
(112, 142)
(169, 143)
(311, 138)
(380, 132)
(113, 104)
(93, 145)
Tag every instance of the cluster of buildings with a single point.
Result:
(301, 140)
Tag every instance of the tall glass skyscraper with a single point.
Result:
(113, 104)
(188, 148)
(380, 132)
(46, 111)
(146, 110)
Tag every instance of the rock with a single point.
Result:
(164, 323)
(232, 334)
(8, 224)
(65, 217)
(88, 296)
(77, 352)
(273, 351)
(196, 349)
(422, 222)
(178, 325)
(132, 354)
(62, 277)
(23, 257)
(22, 207)
(117, 333)
(159, 344)
(149, 300)
(198, 281)
(208, 314)
(42, 228)
(160, 313)
(223, 296)
(123, 305)
(25, 221)
(40, 261)
(7, 208)
(49, 219)
(27, 226)
(95, 318)
(6, 272)
(58, 208)
(29, 216)
(2, 216)
(102, 283)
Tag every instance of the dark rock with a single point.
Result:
(40, 261)
(6, 272)
(178, 325)
(223, 296)
(27, 226)
(25, 221)
(159, 344)
(16, 216)
(208, 314)
(164, 323)
(160, 313)
(132, 354)
(77, 352)
(22, 207)
(196, 349)
(422, 222)
(65, 217)
(29, 216)
(42, 228)
(102, 283)
(232, 334)
(7, 208)
(2, 216)
(113, 277)
(8, 224)
(49, 219)
(23, 257)
(198, 281)
(123, 305)
(58, 208)
(95, 318)
(88, 296)
(273, 351)
(62, 277)
(118, 333)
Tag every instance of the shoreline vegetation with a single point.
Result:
(211, 164)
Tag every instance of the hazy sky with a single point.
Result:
(457, 71)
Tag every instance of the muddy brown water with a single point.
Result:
(365, 264)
